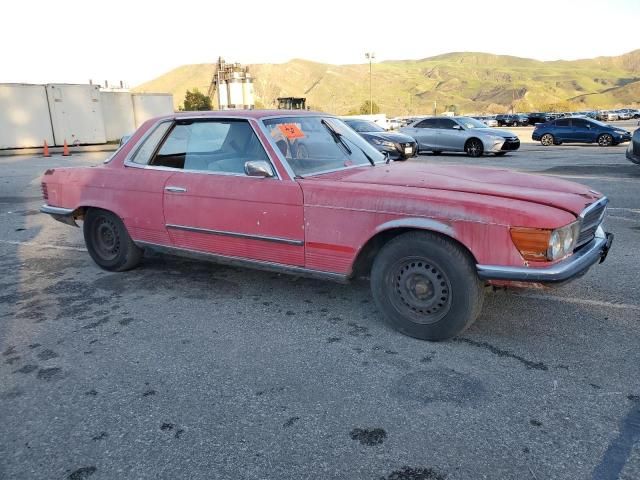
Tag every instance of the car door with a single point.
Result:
(139, 189)
(581, 130)
(211, 205)
(425, 134)
(451, 135)
(562, 130)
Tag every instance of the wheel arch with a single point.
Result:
(390, 230)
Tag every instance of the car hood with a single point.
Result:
(569, 196)
(391, 136)
(493, 131)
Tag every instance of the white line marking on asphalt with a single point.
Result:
(615, 217)
(581, 301)
(43, 245)
(624, 209)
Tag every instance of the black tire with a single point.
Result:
(474, 147)
(605, 140)
(426, 286)
(547, 140)
(108, 241)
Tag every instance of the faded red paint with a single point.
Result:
(332, 216)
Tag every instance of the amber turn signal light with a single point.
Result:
(532, 243)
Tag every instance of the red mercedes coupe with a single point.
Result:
(302, 193)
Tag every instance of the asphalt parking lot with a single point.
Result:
(187, 370)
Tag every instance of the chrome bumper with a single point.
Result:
(64, 215)
(574, 266)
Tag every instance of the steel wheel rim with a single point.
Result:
(106, 239)
(547, 140)
(421, 290)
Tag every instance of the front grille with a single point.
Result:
(511, 143)
(591, 218)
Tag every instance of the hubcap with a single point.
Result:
(106, 240)
(421, 290)
(547, 140)
(605, 140)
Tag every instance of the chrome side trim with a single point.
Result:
(286, 241)
(243, 262)
(572, 266)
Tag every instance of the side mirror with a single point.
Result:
(258, 168)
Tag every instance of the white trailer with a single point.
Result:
(76, 114)
(149, 105)
(24, 116)
(117, 111)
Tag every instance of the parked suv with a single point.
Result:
(579, 130)
(513, 120)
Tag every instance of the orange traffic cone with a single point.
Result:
(65, 149)
(45, 151)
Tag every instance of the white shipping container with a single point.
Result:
(117, 111)
(76, 113)
(149, 105)
(24, 116)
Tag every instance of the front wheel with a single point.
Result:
(605, 140)
(474, 147)
(547, 140)
(108, 241)
(426, 286)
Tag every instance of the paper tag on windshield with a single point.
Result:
(291, 131)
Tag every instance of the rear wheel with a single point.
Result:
(108, 241)
(426, 286)
(547, 140)
(605, 140)
(473, 147)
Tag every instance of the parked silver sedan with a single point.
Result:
(460, 134)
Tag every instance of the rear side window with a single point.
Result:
(446, 123)
(143, 155)
(222, 146)
(427, 123)
(562, 123)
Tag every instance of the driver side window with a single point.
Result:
(212, 146)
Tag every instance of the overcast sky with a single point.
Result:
(69, 41)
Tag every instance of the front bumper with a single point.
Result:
(399, 150)
(572, 267)
(64, 215)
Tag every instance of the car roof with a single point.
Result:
(254, 114)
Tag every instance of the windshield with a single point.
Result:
(468, 122)
(319, 144)
(364, 126)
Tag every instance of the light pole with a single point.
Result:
(370, 56)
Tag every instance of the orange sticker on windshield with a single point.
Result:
(291, 131)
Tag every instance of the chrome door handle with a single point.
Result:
(175, 189)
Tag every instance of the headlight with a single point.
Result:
(539, 244)
(384, 143)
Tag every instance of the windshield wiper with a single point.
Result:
(340, 139)
(337, 137)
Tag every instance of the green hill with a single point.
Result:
(472, 82)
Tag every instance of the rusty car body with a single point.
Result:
(300, 192)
